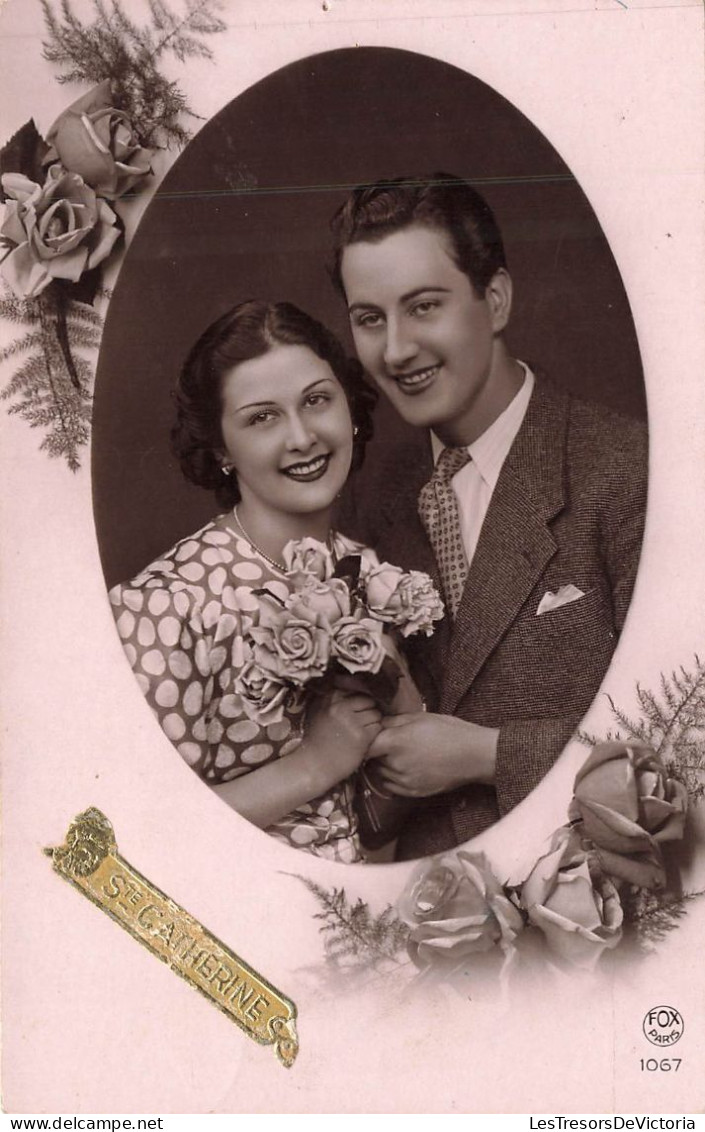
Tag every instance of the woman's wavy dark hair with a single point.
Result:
(248, 331)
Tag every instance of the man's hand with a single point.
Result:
(421, 754)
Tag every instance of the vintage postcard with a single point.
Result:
(353, 659)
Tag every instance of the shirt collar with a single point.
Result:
(490, 450)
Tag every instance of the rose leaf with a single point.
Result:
(85, 289)
(24, 153)
(348, 569)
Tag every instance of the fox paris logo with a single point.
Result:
(663, 1025)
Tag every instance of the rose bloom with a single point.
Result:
(407, 600)
(324, 602)
(456, 907)
(623, 785)
(356, 643)
(578, 910)
(294, 648)
(56, 230)
(264, 697)
(97, 141)
(627, 806)
(309, 556)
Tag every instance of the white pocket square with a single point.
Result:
(564, 596)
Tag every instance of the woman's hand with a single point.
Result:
(423, 754)
(339, 730)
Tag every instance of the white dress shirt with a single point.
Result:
(474, 484)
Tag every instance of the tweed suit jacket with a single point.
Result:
(568, 508)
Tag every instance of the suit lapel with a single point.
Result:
(515, 543)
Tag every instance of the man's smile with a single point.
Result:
(417, 380)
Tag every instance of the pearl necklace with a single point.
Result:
(258, 550)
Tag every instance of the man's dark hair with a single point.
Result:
(248, 331)
(441, 201)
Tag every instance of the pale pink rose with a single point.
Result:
(381, 582)
(293, 648)
(456, 908)
(357, 644)
(324, 602)
(645, 869)
(568, 898)
(264, 697)
(56, 230)
(622, 791)
(97, 141)
(406, 600)
(627, 807)
(309, 556)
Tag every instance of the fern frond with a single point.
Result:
(354, 936)
(87, 317)
(31, 340)
(21, 312)
(113, 46)
(589, 739)
(650, 916)
(672, 721)
(41, 390)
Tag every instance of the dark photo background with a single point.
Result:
(244, 213)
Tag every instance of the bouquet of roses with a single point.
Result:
(328, 619)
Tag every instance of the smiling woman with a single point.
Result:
(288, 437)
(266, 403)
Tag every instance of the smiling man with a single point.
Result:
(526, 504)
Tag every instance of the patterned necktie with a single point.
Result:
(438, 511)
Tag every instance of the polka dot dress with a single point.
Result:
(181, 622)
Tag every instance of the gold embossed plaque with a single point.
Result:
(90, 861)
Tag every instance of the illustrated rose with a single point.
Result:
(407, 600)
(572, 903)
(96, 141)
(309, 556)
(455, 908)
(623, 792)
(325, 602)
(292, 648)
(645, 869)
(56, 230)
(264, 697)
(357, 644)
